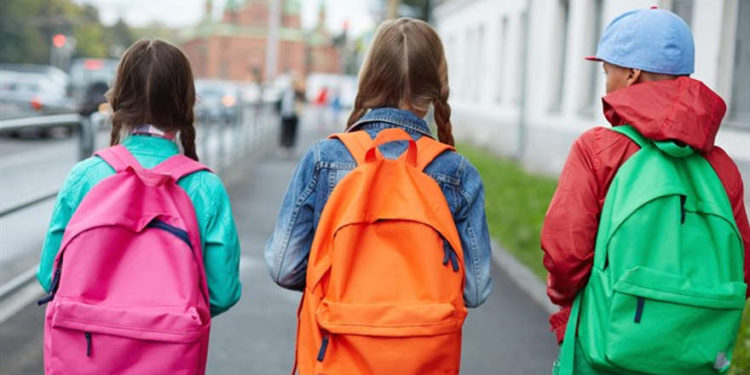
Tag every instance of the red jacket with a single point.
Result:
(683, 109)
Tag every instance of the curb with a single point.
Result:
(522, 276)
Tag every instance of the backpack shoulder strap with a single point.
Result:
(179, 166)
(356, 142)
(118, 157)
(428, 149)
(633, 134)
(567, 349)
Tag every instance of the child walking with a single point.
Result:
(383, 227)
(142, 248)
(646, 237)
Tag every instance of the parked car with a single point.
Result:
(217, 101)
(34, 91)
(89, 81)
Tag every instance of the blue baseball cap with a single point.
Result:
(654, 40)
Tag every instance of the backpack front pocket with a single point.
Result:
(92, 339)
(389, 338)
(660, 323)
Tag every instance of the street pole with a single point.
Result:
(393, 9)
(521, 151)
(272, 42)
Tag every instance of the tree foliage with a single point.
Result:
(421, 9)
(27, 28)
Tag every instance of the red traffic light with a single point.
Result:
(59, 40)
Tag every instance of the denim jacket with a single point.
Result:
(328, 161)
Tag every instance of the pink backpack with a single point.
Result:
(129, 293)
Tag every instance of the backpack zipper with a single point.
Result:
(53, 286)
(449, 255)
(639, 309)
(87, 335)
(179, 233)
(323, 347)
(683, 199)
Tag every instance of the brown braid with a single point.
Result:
(114, 135)
(187, 139)
(443, 117)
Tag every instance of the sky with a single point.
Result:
(187, 12)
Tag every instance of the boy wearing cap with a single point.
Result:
(647, 57)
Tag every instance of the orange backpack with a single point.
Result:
(385, 276)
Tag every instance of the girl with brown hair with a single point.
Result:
(152, 102)
(405, 72)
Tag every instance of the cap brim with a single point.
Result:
(592, 58)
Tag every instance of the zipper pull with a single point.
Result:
(683, 199)
(449, 255)
(88, 343)
(323, 347)
(52, 289)
(446, 252)
(639, 309)
(454, 261)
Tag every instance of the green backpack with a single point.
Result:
(666, 290)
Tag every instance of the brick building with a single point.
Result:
(234, 47)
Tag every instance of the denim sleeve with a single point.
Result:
(471, 222)
(288, 247)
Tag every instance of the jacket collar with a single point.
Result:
(145, 144)
(682, 109)
(399, 117)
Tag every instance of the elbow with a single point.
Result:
(286, 277)
(221, 304)
(479, 296)
(288, 281)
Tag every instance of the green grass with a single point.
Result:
(741, 361)
(516, 202)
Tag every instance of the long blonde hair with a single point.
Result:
(405, 68)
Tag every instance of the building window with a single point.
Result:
(467, 65)
(522, 29)
(450, 55)
(684, 9)
(560, 49)
(479, 61)
(590, 100)
(503, 55)
(739, 109)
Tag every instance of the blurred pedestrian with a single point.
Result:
(644, 236)
(289, 111)
(142, 248)
(336, 107)
(321, 107)
(412, 247)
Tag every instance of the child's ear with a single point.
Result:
(634, 76)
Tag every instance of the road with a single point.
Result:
(507, 335)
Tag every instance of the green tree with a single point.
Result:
(421, 9)
(27, 28)
(89, 33)
(119, 37)
(20, 40)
